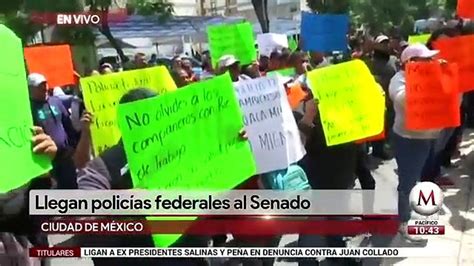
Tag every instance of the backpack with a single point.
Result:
(292, 178)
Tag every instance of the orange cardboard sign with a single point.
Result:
(295, 94)
(466, 8)
(432, 96)
(459, 50)
(378, 137)
(52, 61)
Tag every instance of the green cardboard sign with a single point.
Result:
(17, 161)
(232, 39)
(187, 139)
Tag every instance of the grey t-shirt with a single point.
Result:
(397, 94)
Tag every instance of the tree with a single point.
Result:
(261, 10)
(159, 8)
(329, 6)
(16, 16)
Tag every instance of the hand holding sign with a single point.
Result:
(102, 94)
(350, 103)
(17, 161)
(269, 123)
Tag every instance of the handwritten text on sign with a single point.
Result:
(232, 39)
(102, 94)
(17, 161)
(351, 104)
(187, 139)
(432, 98)
(269, 123)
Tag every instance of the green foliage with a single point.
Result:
(384, 15)
(162, 9)
(329, 6)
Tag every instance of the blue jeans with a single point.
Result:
(432, 168)
(411, 156)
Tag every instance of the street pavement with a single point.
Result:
(457, 216)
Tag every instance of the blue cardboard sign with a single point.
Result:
(324, 33)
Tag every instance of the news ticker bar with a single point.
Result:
(209, 227)
(233, 202)
(127, 252)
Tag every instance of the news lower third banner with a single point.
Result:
(233, 202)
(125, 252)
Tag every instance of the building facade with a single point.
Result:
(287, 9)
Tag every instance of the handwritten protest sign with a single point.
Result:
(268, 42)
(465, 8)
(324, 33)
(232, 39)
(459, 50)
(269, 123)
(102, 94)
(432, 98)
(187, 139)
(53, 61)
(351, 104)
(17, 161)
(418, 38)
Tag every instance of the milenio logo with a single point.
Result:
(426, 198)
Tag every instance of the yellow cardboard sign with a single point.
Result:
(418, 38)
(102, 95)
(351, 103)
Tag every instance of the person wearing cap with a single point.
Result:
(383, 67)
(411, 148)
(106, 68)
(231, 64)
(50, 114)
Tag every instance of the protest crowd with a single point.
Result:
(383, 98)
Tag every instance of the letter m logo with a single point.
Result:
(421, 197)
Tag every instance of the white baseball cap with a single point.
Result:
(35, 79)
(417, 50)
(381, 38)
(227, 61)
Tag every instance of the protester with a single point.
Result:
(231, 64)
(188, 67)
(139, 61)
(180, 77)
(153, 60)
(207, 69)
(19, 230)
(383, 67)
(251, 70)
(50, 114)
(274, 61)
(327, 167)
(318, 60)
(263, 64)
(432, 170)
(411, 148)
(300, 62)
(176, 63)
(106, 68)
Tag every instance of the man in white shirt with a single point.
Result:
(231, 64)
(411, 148)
